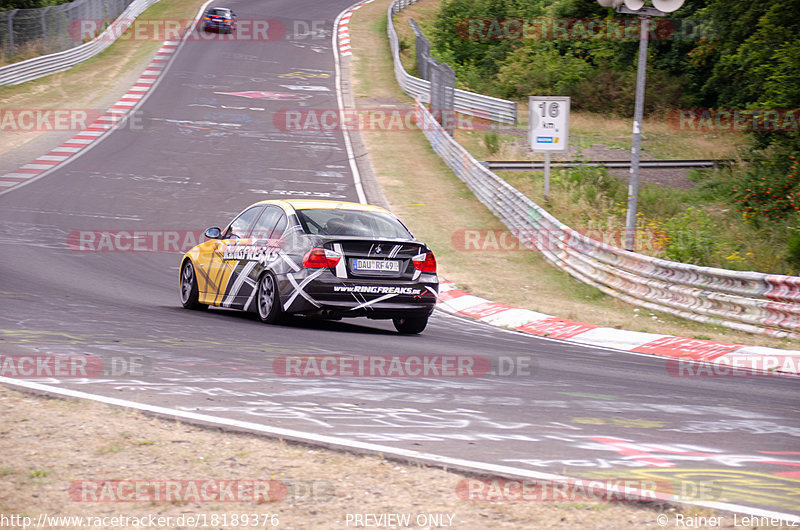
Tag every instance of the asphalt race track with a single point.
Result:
(204, 152)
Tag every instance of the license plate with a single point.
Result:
(379, 265)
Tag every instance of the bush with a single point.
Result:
(792, 255)
(492, 142)
(692, 238)
(614, 92)
(541, 71)
(770, 189)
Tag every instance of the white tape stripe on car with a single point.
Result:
(379, 299)
(289, 261)
(241, 279)
(341, 267)
(298, 289)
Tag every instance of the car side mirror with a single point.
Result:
(213, 233)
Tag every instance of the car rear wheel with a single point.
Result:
(189, 291)
(410, 325)
(267, 299)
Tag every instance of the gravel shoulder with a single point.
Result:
(52, 448)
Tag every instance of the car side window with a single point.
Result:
(280, 228)
(240, 227)
(265, 227)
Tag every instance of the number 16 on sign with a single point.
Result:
(548, 129)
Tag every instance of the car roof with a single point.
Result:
(306, 204)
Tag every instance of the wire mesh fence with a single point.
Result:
(26, 33)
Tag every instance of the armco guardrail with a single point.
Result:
(529, 165)
(470, 103)
(37, 67)
(745, 301)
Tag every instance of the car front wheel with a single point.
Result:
(189, 291)
(410, 325)
(267, 299)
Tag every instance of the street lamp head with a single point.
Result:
(667, 6)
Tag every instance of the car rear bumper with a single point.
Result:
(378, 299)
(217, 26)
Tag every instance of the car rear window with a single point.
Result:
(339, 222)
(218, 12)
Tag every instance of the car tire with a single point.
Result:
(410, 325)
(268, 303)
(189, 292)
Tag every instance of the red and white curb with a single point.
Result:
(344, 29)
(726, 355)
(98, 128)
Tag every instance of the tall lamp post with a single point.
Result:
(636, 7)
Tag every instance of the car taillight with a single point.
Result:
(320, 258)
(425, 262)
(206, 18)
(227, 20)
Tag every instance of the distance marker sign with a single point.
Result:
(548, 123)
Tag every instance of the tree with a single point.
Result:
(28, 4)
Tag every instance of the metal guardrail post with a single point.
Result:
(423, 51)
(11, 31)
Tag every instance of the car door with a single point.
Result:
(248, 256)
(219, 269)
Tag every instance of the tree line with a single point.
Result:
(5, 5)
(731, 54)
